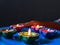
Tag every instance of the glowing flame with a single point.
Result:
(6, 29)
(41, 26)
(29, 32)
(48, 29)
(37, 26)
(17, 25)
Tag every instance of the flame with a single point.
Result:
(17, 25)
(29, 32)
(48, 29)
(6, 29)
(37, 26)
(41, 26)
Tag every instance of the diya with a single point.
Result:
(50, 34)
(8, 33)
(36, 28)
(29, 37)
(17, 27)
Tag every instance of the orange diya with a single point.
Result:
(29, 37)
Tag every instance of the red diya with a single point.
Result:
(47, 31)
(18, 27)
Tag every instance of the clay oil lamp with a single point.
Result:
(50, 34)
(29, 37)
(37, 28)
(8, 33)
(17, 27)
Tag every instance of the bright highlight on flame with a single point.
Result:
(17, 25)
(6, 29)
(48, 29)
(37, 26)
(41, 26)
(29, 32)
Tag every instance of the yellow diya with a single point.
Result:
(29, 37)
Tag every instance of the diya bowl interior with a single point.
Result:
(29, 39)
(8, 34)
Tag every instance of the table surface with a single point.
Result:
(4, 41)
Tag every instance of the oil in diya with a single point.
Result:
(8, 33)
(29, 37)
(18, 27)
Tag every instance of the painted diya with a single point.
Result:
(50, 34)
(8, 33)
(17, 27)
(29, 37)
(36, 28)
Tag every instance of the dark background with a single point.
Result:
(16, 11)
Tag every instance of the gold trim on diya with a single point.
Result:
(8, 33)
(29, 37)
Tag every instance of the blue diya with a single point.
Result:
(50, 34)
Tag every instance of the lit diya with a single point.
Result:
(50, 34)
(18, 27)
(29, 37)
(8, 33)
(37, 28)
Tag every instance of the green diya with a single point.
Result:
(8, 33)
(29, 37)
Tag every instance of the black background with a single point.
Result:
(16, 11)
